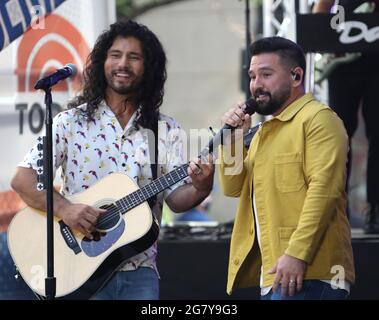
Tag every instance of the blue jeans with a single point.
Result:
(312, 290)
(140, 284)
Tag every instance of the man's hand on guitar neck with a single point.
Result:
(80, 216)
(190, 195)
(202, 174)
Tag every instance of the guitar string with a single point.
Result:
(113, 214)
(114, 211)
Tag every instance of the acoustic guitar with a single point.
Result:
(82, 266)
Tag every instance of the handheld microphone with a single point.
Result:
(68, 70)
(250, 107)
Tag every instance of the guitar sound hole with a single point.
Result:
(109, 220)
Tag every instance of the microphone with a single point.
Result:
(68, 70)
(250, 107)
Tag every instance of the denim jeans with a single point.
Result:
(311, 290)
(140, 284)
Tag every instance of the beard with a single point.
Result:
(124, 89)
(274, 101)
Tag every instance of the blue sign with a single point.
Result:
(16, 16)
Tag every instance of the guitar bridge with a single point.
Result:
(69, 238)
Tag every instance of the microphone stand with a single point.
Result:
(47, 180)
(50, 281)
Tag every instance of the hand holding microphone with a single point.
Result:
(238, 117)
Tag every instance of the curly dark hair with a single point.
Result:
(150, 92)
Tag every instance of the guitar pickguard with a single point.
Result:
(102, 240)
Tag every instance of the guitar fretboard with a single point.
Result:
(141, 195)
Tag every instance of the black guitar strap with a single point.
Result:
(154, 161)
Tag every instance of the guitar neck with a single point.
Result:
(141, 195)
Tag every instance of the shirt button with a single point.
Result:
(124, 164)
(236, 262)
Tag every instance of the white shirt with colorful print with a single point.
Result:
(88, 151)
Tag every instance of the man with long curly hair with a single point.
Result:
(104, 131)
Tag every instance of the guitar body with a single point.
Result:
(79, 275)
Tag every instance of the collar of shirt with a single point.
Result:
(289, 112)
(132, 123)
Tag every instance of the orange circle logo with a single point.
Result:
(42, 51)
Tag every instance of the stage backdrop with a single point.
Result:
(37, 37)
